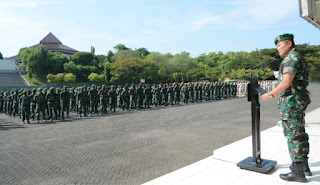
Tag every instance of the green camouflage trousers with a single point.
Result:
(293, 123)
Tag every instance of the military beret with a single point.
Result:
(93, 85)
(51, 88)
(112, 86)
(286, 36)
(103, 85)
(39, 89)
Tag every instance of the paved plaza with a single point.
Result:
(131, 147)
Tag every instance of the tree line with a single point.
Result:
(126, 65)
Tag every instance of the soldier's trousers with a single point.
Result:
(25, 111)
(103, 105)
(32, 110)
(41, 110)
(293, 123)
(94, 106)
(65, 107)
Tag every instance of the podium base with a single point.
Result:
(264, 167)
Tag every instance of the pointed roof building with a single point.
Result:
(53, 44)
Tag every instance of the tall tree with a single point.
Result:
(142, 52)
(120, 47)
(40, 67)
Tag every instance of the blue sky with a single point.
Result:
(201, 26)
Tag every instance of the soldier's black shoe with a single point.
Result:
(306, 168)
(28, 122)
(296, 174)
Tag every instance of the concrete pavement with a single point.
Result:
(221, 168)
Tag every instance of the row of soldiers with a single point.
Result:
(55, 103)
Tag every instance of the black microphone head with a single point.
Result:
(276, 57)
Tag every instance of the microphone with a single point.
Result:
(276, 57)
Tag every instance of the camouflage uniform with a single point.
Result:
(293, 103)
(73, 100)
(103, 93)
(25, 109)
(176, 91)
(50, 97)
(93, 100)
(82, 102)
(1, 101)
(33, 104)
(140, 95)
(113, 99)
(125, 98)
(39, 100)
(65, 98)
(15, 103)
(148, 94)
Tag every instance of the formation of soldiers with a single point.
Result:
(57, 103)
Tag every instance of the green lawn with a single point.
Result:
(33, 81)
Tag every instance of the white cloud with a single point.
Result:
(198, 24)
(249, 14)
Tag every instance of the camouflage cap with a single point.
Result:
(286, 36)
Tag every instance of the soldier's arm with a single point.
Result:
(286, 82)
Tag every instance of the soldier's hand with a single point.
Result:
(265, 97)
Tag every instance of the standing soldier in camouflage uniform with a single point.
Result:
(148, 93)
(25, 103)
(10, 103)
(201, 90)
(73, 100)
(103, 99)
(191, 92)
(93, 94)
(196, 92)
(39, 100)
(164, 92)
(65, 99)
(176, 90)
(33, 104)
(294, 99)
(125, 98)
(82, 101)
(1, 101)
(15, 103)
(57, 101)
(119, 97)
(133, 97)
(185, 93)
(140, 96)
(157, 95)
(113, 99)
(171, 94)
(50, 97)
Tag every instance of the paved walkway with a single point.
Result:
(221, 168)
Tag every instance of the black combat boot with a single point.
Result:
(296, 174)
(306, 168)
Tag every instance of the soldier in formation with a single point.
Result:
(55, 103)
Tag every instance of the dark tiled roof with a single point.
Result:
(50, 39)
(57, 47)
(53, 44)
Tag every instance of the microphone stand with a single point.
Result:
(255, 163)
